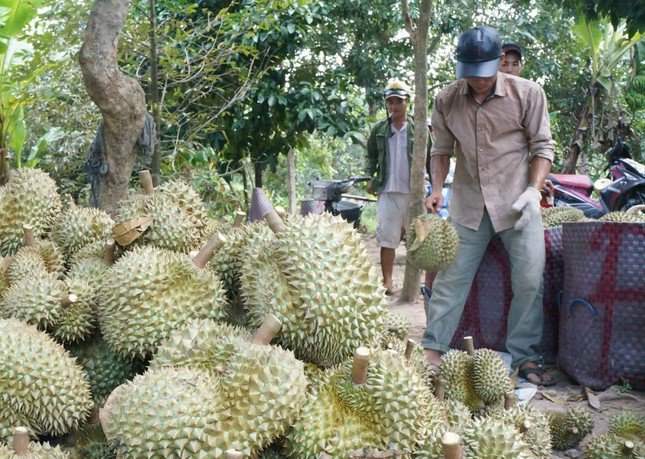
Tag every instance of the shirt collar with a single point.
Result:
(403, 128)
(500, 86)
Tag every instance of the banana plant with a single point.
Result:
(15, 16)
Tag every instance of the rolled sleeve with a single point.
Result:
(538, 127)
(444, 143)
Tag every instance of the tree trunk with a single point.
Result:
(4, 163)
(257, 170)
(291, 180)
(119, 97)
(419, 35)
(154, 96)
(577, 145)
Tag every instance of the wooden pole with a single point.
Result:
(451, 446)
(409, 347)
(267, 331)
(215, 243)
(145, 178)
(21, 441)
(30, 239)
(361, 362)
(469, 345)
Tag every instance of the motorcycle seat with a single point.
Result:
(572, 180)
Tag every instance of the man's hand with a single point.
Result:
(369, 188)
(434, 201)
(548, 188)
(529, 204)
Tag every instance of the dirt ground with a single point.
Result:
(566, 393)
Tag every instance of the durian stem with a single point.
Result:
(21, 441)
(267, 331)
(232, 454)
(30, 239)
(108, 251)
(628, 448)
(359, 368)
(469, 345)
(409, 347)
(440, 390)
(509, 400)
(451, 446)
(70, 202)
(68, 299)
(525, 425)
(573, 430)
(274, 221)
(211, 247)
(239, 218)
(145, 178)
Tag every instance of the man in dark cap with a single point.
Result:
(513, 62)
(497, 126)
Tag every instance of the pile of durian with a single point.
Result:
(160, 332)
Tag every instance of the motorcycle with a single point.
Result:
(331, 196)
(623, 189)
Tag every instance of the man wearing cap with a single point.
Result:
(513, 62)
(497, 126)
(389, 155)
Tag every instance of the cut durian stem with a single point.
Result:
(440, 390)
(469, 345)
(281, 212)
(108, 251)
(30, 239)
(573, 430)
(274, 221)
(232, 454)
(267, 331)
(451, 446)
(628, 448)
(211, 247)
(359, 368)
(145, 178)
(409, 347)
(524, 426)
(239, 218)
(509, 400)
(21, 441)
(68, 299)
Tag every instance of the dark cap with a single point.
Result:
(478, 52)
(512, 48)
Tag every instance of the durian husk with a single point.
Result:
(568, 428)
(36, 451)
(556, 216)
(493, 438)
(37, 300)
(628, 424)
(81, 226)
(432, 243)
(613, 447)
(11, 418)
(536, 436)
(490, 376)
(623, 217)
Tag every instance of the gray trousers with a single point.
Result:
(452, 287)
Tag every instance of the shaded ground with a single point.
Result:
(566, 393)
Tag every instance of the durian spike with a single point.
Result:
(440, 390)
(409, 347)
(628, 448)
(21, 441)
(239, 218)
(30, 239)
(267, 331)
(359, 368)
(469, 345)
(232, 454)
(509, 400)
(68, 299)
(451, 446)
(211, 247)
(145, 178)
(108, 251)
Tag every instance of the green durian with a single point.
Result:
(432, 243)
(44, 256)
(36, 451)
(628, 424)
(457, 370)
(488, 438)
(79, 318)
(10, 418)
(568, 428)
(613, 447)
(533, 426)
(490, 376)
(39, 379)
(149, 293)
(623, 217)
(80, 226)
(30, 198)
(556, 216)
(188, 200)
(92, 444)
(37, 300)
(397, 324)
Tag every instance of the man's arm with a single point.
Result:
(538, 170)
(442, 149)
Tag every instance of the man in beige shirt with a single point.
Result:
(497, 126)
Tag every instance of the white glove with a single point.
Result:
(529, 204)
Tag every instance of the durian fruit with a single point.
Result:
(105, 369)
(318, 279)
(628, 424)
(457, 371)
(432, 243)
(261, 389)
(623, 217)
(40, 380)
(165, 412)
(486, 438)
(10, 418)
(36, 256)
(92, 444)
(613, 447)
(78, 318)
(490, 376)
(569, 427)
(80, 226)
(4, 280)
(397, 324)
(31, 198)
(36, 451)
(188, 200)
(149, 293)
(391, 409)
(556, 216)
(92, 262)
(533, 426)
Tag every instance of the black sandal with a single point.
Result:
(524, 372)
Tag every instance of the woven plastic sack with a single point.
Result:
(486, 310)
(602, 318)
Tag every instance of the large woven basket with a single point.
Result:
(602, 317)
(485, 314)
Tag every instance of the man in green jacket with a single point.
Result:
(389, 155)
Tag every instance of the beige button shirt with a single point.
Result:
(494, 144)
